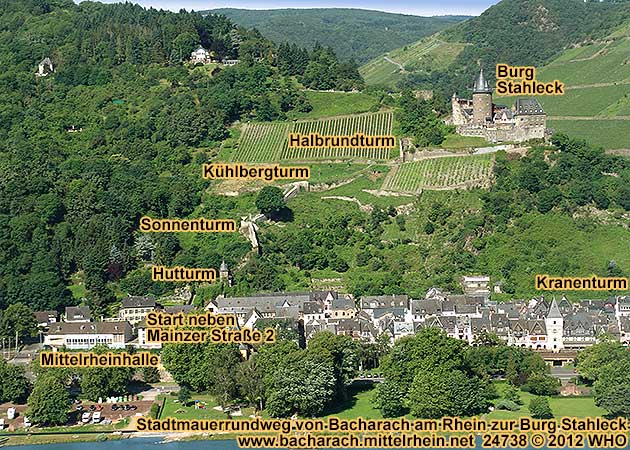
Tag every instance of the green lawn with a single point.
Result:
(173, 408)
(561, 406)
(457, 141)
(334, 172)
(326, 104)
(359, 404)
(77, 288)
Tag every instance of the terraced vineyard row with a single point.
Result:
(268, 142)
(440, 173)
(262, 142)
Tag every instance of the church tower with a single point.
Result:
(554, 322)
(482, 100)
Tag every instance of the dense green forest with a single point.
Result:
(118, 131)
(352, 33)
(523, 33)
(122, 125)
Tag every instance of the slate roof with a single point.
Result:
(138, 302)
(176, 309)
(580, 324)
(554, 311)
(385, 301)
(480, 324)
(45, 316)
(395, 312)
(343, 303)
(78, 313)
(529, 106)
(465, 309)
(116, 327)
(320, 296)
(313, 308)
(481, 84)
(428, 307)
(265, 303)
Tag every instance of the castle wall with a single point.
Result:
(459, 118)
(501, 134)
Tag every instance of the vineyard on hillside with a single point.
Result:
(268, 142)
(440, 173)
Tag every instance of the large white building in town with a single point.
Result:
(86, 335)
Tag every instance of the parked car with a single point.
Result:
(85, 417)
(27, 422)
(96, 417)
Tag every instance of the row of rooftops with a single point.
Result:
(584, 317)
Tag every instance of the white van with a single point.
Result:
(96, 417)
(85, 417)
(11, 413)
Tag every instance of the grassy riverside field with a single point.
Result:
(360, 404)
(440, 173)
(268, 141)
(561, 406)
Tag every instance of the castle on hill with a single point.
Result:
(481, 117)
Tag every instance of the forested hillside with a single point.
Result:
(119, 130)
(516, 32)
(353, 33)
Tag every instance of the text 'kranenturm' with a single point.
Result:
(593, 283)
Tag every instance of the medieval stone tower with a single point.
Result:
(482, 100)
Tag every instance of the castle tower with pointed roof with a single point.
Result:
(224, 272)
(482, 100)
(554, 322)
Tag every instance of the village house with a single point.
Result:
(622, 306)
(77, 314)
(340, 308)
(478, 286)
(267, 306)
(45, 318)
(140, 328)
(135, 309)
(200, 56)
